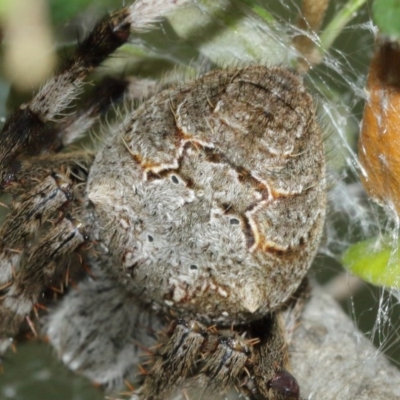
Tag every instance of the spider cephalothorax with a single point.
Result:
(199, 217)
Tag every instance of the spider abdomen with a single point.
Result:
(213, 194)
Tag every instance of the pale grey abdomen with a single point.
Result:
(211, 198)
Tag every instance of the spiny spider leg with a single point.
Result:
(25, 218)
(26, 125)
(30, 170)
(205, 365)
(35, 273)
(110, 92)
(176, 359)
(39, 168)
(222, 367)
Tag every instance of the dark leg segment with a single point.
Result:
(271, 379)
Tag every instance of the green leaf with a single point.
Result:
(376, 261)
(386, 15)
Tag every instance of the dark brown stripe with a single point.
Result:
(107, 35)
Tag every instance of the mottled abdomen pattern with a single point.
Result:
(210, 197)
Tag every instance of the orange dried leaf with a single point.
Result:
(379, 144)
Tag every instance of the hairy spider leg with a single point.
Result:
(35, 272)
(22, 129)
(109, 93)
(129, 331)
(26, 217)
(204, 364)
(222, 368)
(31, 170)
(27, 125)
(175, 360)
